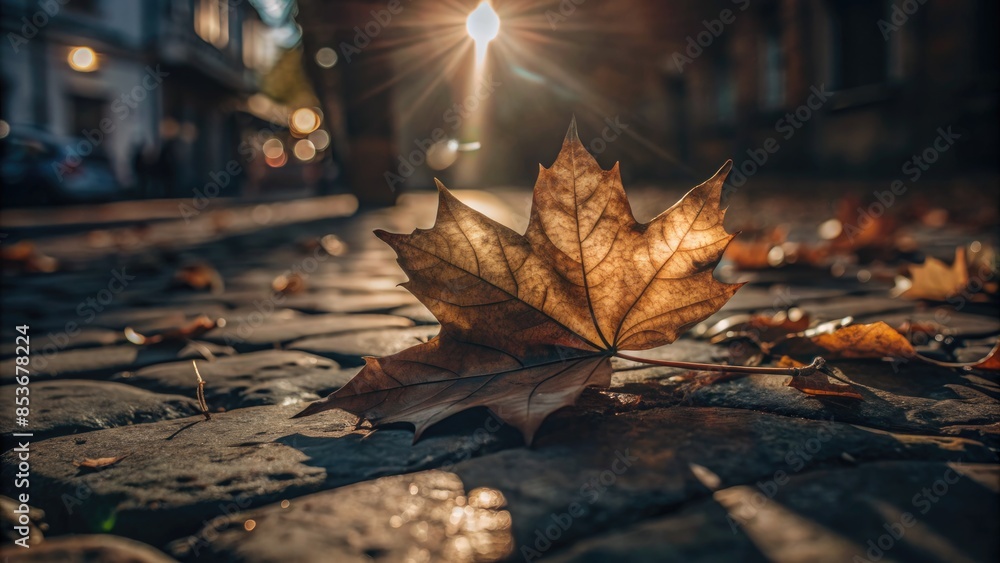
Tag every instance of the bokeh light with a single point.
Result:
(320, 138)
(326, 57)
(304, 121)
(83, 59)
(305, 150)
(273, 148)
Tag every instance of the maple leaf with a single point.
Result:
(936, 281)
(528, 321)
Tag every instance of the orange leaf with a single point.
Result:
(868, 341)
(936, 281)
(817, 383)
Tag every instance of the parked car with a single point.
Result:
(36, 167)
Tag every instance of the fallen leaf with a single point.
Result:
(936, 281)
(865, 341)
(98, 463)
(24, 257)
(199, 276)
(289, 284)
(529, 320)
(817, 383)
(759, 252)
(860, 229)
(194, 329)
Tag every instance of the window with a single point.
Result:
(772, 75)
(859, 53)
(211, 22)
(725, 90)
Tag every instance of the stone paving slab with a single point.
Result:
(610, 474)
(337, 302)
(101, 548)
(425, 516)
(271, 377)
(262, 332)
(351, 348)
(105, 361)
(73, 406)
(830, 515)
(178, 474)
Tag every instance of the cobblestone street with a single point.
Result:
(656, 469)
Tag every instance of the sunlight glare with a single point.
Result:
(483, 26)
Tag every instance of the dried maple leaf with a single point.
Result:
(866, 341)
(528, 321)
(936, 281)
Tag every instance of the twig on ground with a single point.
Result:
(201, 392)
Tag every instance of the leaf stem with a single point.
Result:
(810, 369)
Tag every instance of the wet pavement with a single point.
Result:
(656, 469)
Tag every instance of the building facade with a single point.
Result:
(156, 86)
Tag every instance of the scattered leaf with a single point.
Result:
(98, 463)
(865, 341)
(24, 257)
(817, 383)
(194, 329)
(529, 320)
(289, 284)
(199, 276)
(758, 253)
(936, 281)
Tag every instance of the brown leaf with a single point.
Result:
(817, 383)
(936, 281)
(289, 284)
(867, 341)
(529, 320)
(98, 463)
(199, 276)
(194, 329)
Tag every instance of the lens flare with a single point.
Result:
(483, 26)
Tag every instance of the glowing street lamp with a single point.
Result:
(82, 59)
(483, 26)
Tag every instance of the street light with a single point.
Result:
(483, 26)
(82, 59)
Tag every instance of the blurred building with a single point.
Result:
(155, 85)
(691, 83)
